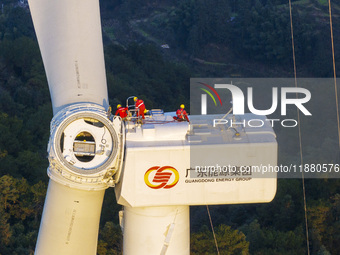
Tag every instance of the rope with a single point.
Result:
(213, 231)
(334, 71)
(299, 128)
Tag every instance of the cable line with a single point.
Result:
(213, 231)
(299, 128)
(334, 71)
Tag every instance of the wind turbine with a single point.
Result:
(152, 166)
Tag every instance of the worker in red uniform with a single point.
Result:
(122, 111)
(181, 114)
(140, 107)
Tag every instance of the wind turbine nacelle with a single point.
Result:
(177, 163)
(85, 147)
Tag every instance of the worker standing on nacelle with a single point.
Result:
(140, 107)
(181, 114)
(122, 112)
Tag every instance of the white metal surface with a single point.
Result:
(79, 176)
(70, 41)
(153, 230)
(70, 221)
(85, 148)
(160, 176)
(162, 172)
(80, 167)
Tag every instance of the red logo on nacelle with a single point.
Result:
(162, 177)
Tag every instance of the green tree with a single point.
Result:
(20, 54)
(333, 226)
(5, 231)
(317, 216)
(20, 211)
(110, 240)
(230, 242)
(267, 241)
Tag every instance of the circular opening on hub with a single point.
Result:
(86, 142)
(84, 147)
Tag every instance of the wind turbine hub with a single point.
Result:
(85, 147)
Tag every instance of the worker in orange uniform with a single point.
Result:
(181, 114)
(140, 107)
(122, 111)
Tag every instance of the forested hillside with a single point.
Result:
(152, 48)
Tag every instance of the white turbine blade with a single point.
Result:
(70, 221)
(70, 41)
